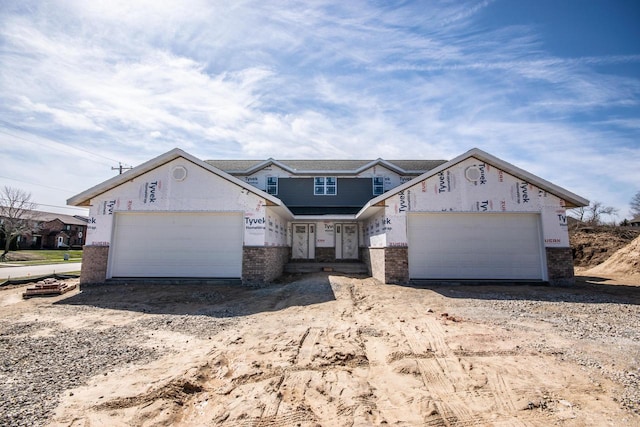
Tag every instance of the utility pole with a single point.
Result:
(120, 168)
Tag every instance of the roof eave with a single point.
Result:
(84, 198)
(571, 199)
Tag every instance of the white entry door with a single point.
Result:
(303, 245)
(346, 241)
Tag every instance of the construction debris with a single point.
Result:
(48, 287)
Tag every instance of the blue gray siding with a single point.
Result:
(352, 195)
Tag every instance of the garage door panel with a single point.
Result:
(177, 245)
(475, 246)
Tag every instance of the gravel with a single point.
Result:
(40, 360)
(34, 371)
(584, 315)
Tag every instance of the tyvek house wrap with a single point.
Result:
(200, 190)
(468, 186)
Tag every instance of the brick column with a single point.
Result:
(263, 264)
(396, 265)
(560, 266)
(94, 264)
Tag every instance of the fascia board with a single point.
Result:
(549, 187)
(84, 198)
(265, 164)
(368, 210)
(383, 163)
(312, 172)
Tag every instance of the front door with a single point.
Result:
(346, 241)
(303, 245)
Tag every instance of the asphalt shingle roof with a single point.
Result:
(238, 166)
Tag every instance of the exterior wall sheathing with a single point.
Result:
(450, 191)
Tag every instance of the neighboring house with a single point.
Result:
(53, 231)
(474, 217)
(61, 231)
(635, 222)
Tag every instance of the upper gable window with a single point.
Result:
(272, 185)
(325, 186)
(378, 185)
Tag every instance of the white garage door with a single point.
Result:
(177, 245)
(475, 246)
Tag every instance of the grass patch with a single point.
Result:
(43, 257)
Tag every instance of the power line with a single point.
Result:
(60, 207)
(57, 142)
(120, 168)
(40, 185)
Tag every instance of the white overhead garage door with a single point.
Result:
(475, 246)
(177, 245)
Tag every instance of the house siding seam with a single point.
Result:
(263, 264)
(94, 264)
(560, 266)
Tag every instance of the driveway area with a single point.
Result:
(323, 349)
(37, 270)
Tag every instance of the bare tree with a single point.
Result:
(16, 214)
(592, 214)
(635, 204)
(596, 210)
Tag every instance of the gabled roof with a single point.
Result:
(65, 219)
(571, 199)
(42, 216)
(84, 198)
(336, 167)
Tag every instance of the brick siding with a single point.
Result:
(325, 255)
(396, 265)
(94, 264)
(388, 265)
(263, 264)
(560, 266)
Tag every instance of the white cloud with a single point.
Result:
(313, 80)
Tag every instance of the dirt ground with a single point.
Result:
(593, 245)
(325, 350)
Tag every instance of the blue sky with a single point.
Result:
(550, 86)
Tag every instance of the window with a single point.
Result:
(325, 186)
(378, 185)
(272, 185)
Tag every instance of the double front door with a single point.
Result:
(304, 241)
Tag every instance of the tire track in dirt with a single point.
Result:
(307, 344)
(443, 375)
(272, 406)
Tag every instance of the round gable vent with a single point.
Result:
(472, 173)
(179, 173)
